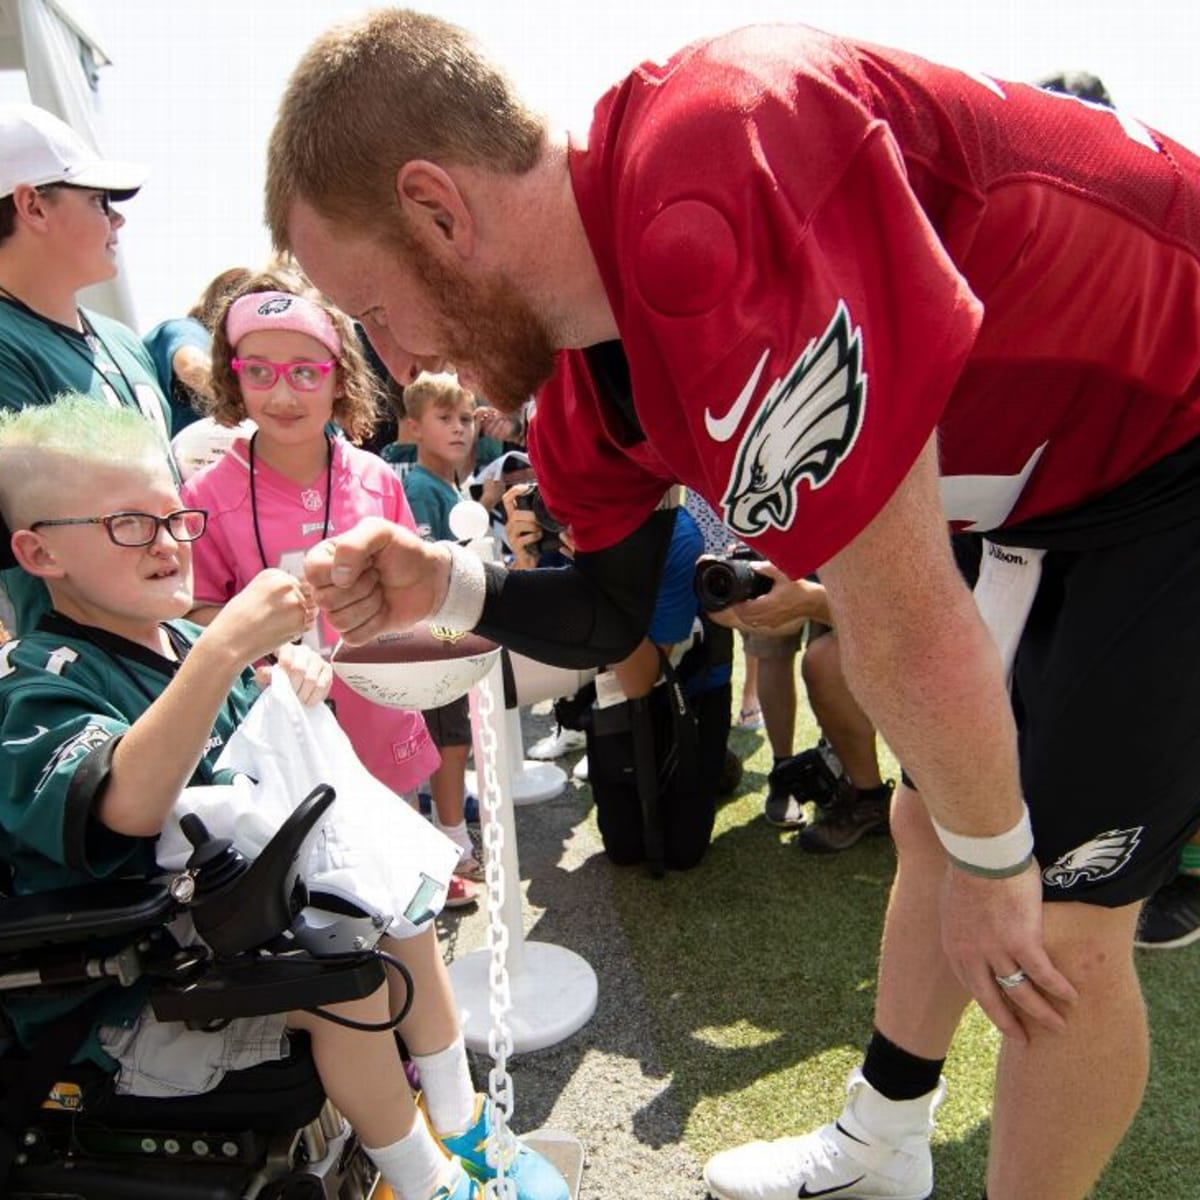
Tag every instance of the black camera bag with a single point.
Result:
(655, 763)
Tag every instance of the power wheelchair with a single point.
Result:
(269, 945)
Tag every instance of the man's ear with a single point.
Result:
(35, 556)
(434, 208)
(30, 204)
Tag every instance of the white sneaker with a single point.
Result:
(844, 1160)
(580, 772)
(555, 745)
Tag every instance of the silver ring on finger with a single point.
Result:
(1008, 982)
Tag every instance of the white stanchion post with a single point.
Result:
(554, 990)
(530, 782)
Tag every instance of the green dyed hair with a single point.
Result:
(45, 446)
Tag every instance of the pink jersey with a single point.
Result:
(394, 745)
(818, 252)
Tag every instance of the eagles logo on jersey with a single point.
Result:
(805, 427)
(1099, 858)
(75, 747)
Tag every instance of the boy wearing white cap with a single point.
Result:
(58, 234)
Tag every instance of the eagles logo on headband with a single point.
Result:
(281, 311)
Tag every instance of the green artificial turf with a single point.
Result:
(759, 968)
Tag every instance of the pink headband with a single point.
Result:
(280, 310)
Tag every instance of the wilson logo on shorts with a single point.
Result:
(1103, 856)
(805, 426)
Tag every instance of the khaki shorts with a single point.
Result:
(166, 1058)
(773, 645)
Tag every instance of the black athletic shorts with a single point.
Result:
(1106, 693)
(450, 725)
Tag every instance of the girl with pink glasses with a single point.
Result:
(291, 363)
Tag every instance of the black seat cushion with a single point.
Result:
(274, 1097)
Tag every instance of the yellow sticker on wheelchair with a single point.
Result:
(64, 1097)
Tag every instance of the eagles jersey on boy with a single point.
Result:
(67, 695)
(819, 251)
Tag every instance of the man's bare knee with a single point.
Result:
(913, 832)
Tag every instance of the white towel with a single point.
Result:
(1008, 582)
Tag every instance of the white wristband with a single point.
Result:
(463, 605)
(997, 857)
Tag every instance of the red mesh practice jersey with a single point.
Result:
(817, 251)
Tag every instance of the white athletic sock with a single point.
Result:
(447, 1087)
(458, 835)
(415, 1165)
(892, 1120)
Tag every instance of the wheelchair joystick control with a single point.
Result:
(215, 862)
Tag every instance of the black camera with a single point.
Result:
(550, 541)
(720, 582)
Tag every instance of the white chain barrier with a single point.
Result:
(500, 1041)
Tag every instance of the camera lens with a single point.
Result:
(718, 583)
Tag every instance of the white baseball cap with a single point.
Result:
(37, 148)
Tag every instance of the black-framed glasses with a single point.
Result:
(104, 200)
(140, 528)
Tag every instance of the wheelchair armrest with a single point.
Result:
(95, 911)
(254, 987)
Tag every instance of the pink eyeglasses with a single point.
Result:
(262, 373)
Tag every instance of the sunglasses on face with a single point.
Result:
(102, 199)
(261, 373)
(140, 528)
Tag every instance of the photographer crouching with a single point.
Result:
(656, 722)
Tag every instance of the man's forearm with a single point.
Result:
(938, 698)
(589, 614)
(555, 615)
(922, 664)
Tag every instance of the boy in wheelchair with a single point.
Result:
(110, 707)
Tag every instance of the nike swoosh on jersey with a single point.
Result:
(833, 1191)
(38, 730)
(721, 429)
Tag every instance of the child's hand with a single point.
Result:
(493, 490)
(272, 609)
(310, 675)
(504, 427)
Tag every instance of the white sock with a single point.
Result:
(893, 1120)
(416, 1165)
(457, 834)
(447, 1087)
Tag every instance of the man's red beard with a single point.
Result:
(487, 329)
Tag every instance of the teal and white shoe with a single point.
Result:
(536, 1178)
(460, 1186)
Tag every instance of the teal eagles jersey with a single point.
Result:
(39, 361)
(67, 696)
(431, 500)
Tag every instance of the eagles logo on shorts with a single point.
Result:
(1097, 859)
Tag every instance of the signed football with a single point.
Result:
(422, 667)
